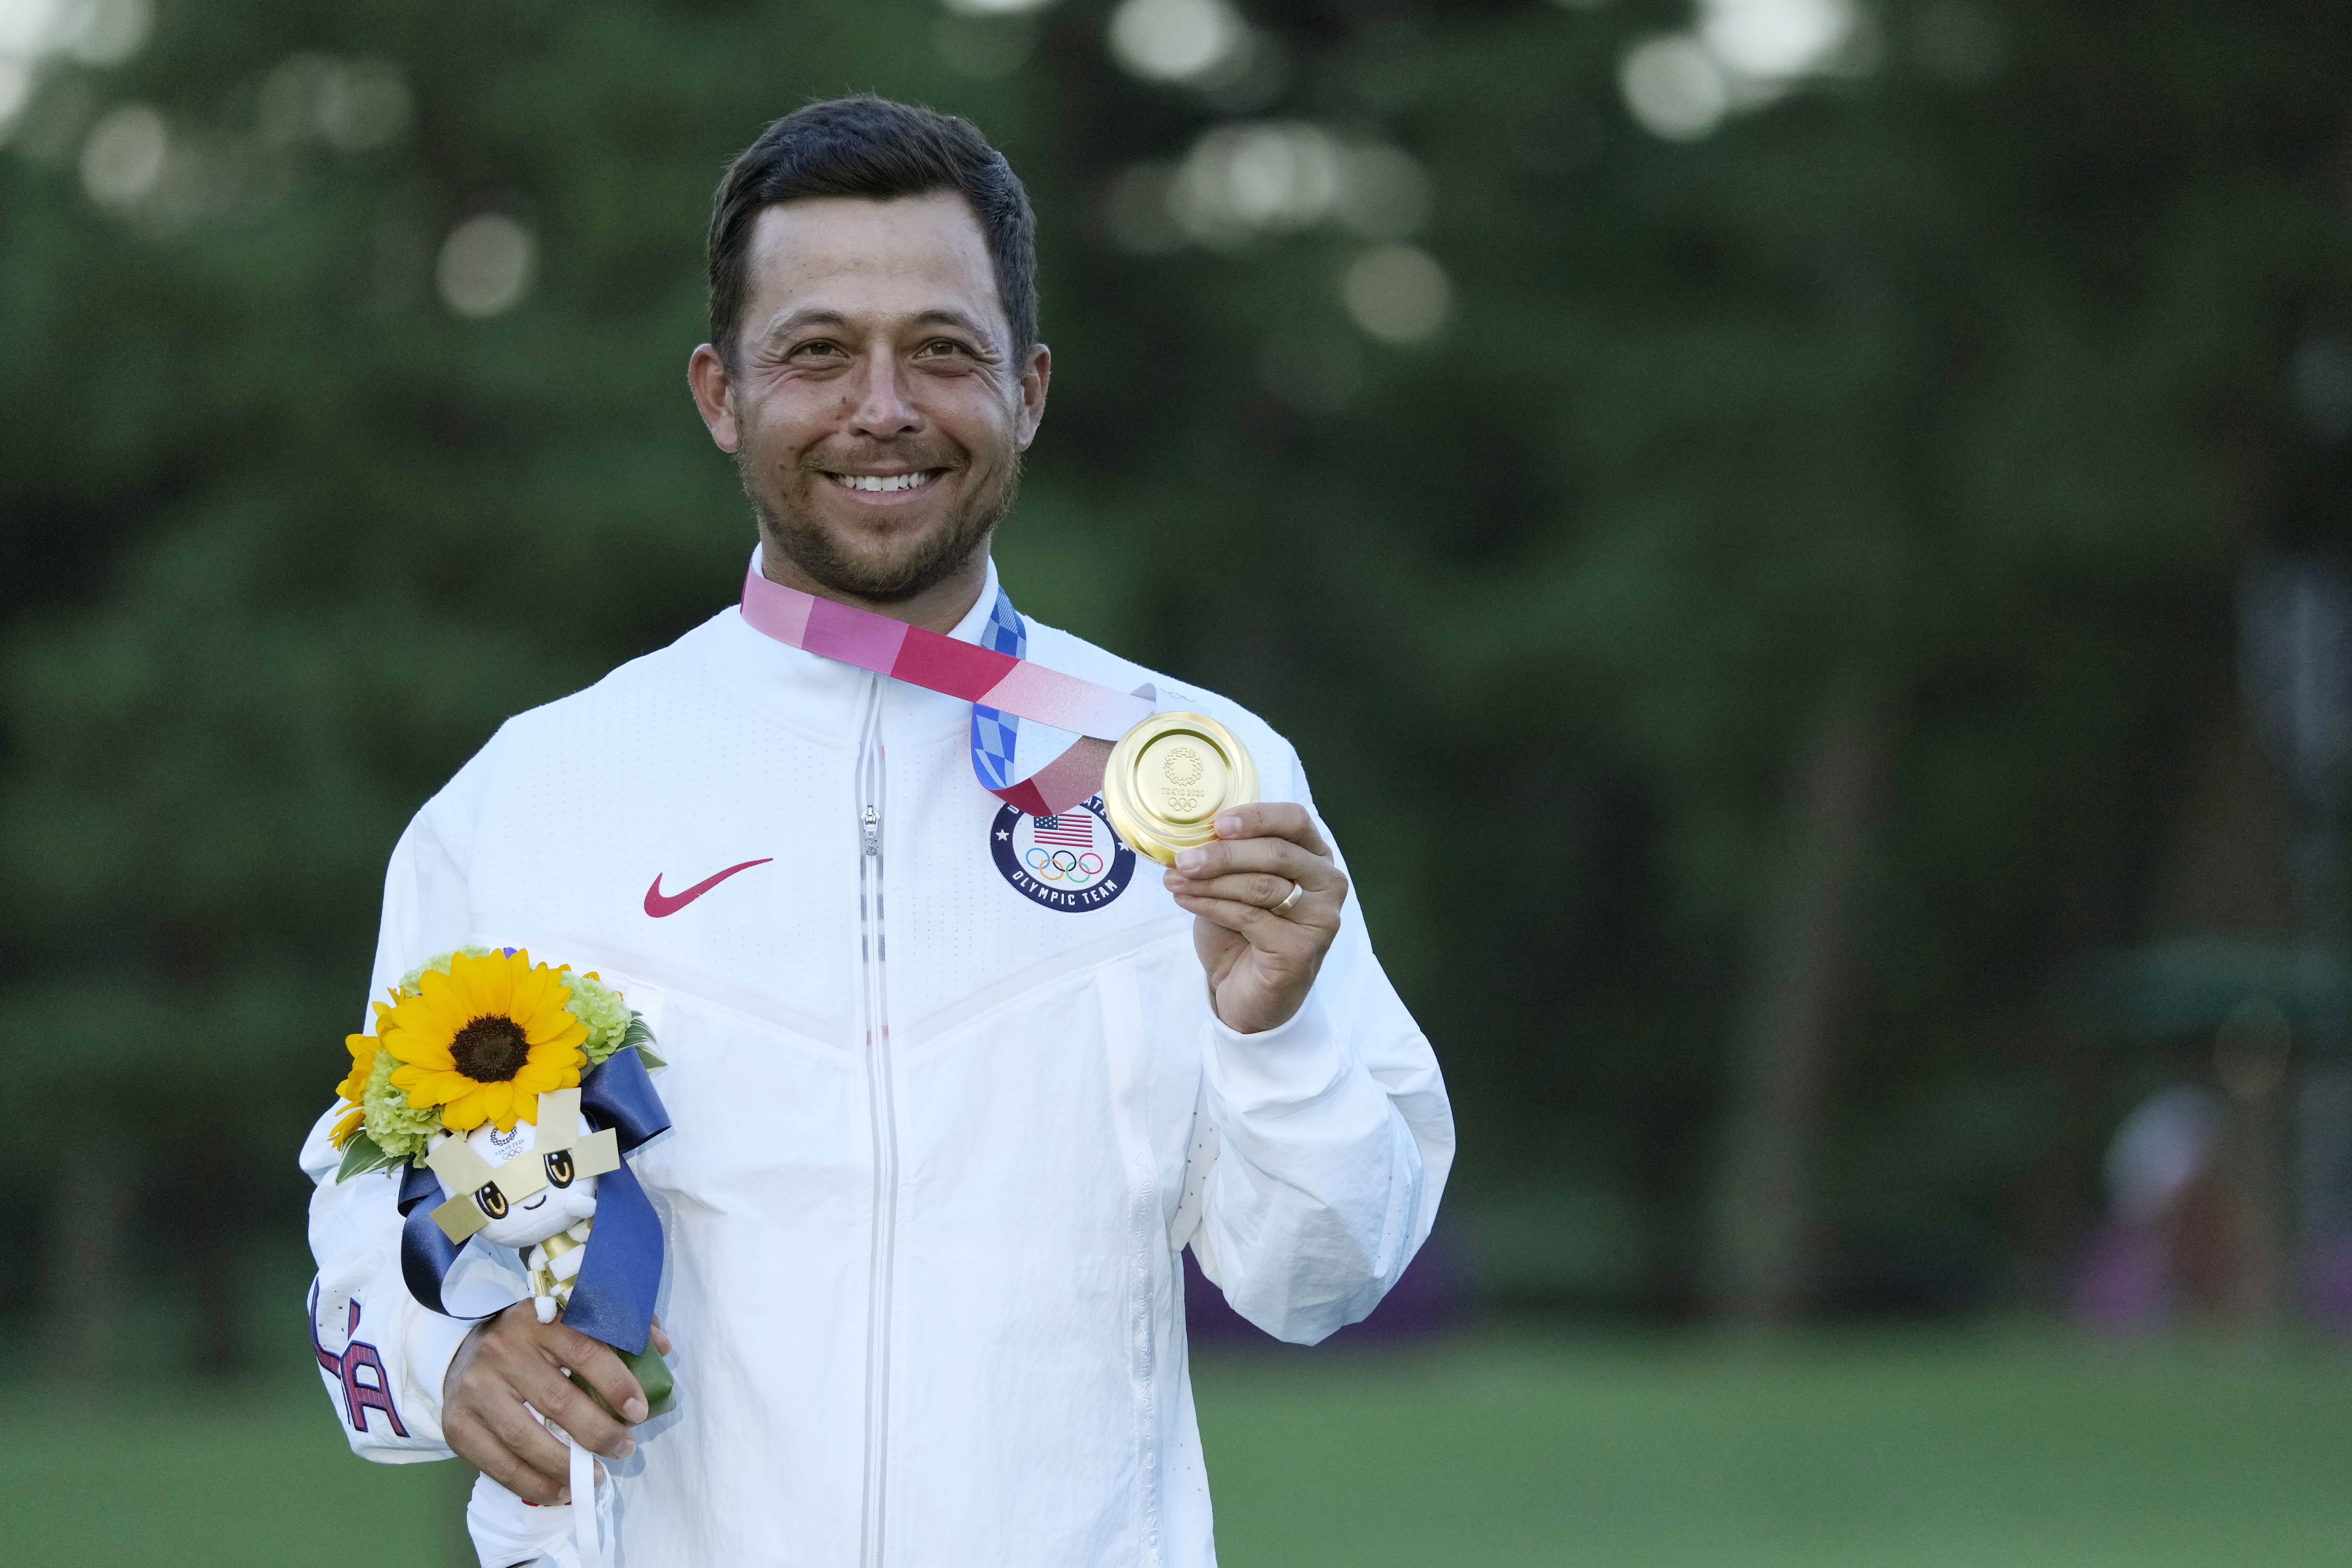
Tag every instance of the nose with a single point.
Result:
(883, 409)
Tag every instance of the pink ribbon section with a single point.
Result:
(976, 674)
(939, 663)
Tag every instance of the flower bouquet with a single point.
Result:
(511, 1091)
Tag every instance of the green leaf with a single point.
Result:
(642, 1037)
(362, 1155)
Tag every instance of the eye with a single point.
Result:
(559, 1168)
(493, 1202)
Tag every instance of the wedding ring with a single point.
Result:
(1297, 892)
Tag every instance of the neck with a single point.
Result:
(937, 608)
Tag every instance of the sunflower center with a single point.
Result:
(490, 1049)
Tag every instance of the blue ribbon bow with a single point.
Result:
(620, 1276)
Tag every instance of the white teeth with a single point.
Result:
(882, 481)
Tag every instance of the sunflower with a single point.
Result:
(362, 1048)
(484, 1041)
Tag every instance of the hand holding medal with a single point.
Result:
(1260, 882)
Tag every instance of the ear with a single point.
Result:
(1033, 377)
(706, 373)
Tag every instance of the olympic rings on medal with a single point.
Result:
(1055, 865)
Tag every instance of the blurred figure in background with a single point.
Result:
(2182, 1238)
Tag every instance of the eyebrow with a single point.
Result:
(959, 319)
(817, 316)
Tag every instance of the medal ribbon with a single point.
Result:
(1002, 685)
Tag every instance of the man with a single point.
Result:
(941, 1129)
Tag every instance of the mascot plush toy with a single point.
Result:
(512, 1092)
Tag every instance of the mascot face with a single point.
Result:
(566, 1200)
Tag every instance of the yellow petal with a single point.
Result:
(440, 1012)
(419, 1050)
(466, 1113)
(536, 1078)
(489, 982)
(364, 1049)
(430, 1087)
(554, 1026)
(529, 996)
(499, 1104)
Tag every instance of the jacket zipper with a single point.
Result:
(873, 952)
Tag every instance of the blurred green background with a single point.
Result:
(1796, 538)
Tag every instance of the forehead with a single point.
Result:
(870, 261)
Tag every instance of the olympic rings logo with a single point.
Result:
(1054, 865)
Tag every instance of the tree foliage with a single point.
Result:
(1979, 374)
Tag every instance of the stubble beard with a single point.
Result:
(923, 564)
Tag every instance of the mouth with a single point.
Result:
(535, 1201)
(884, 489)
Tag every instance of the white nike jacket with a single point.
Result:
(948, 1099)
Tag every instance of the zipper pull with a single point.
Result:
(873, 823)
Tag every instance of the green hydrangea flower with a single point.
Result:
(600, 1007)
(410, 983)
(397, 1129)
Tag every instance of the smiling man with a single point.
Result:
(951, 1085)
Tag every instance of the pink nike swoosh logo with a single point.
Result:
(661, 905)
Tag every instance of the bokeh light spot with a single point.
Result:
(1673, 88)
(361, 104)
(16, 89)
(1192, 41)
(486, 265)
(124, 155)
(27, 26)
(104, 32)
(1775, 40)
(1398, 294)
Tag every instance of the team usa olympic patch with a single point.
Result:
(1072, 862)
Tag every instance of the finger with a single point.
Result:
(481, 1448)
(1263, 927)
(1275, 857)
(1258, 887)
(537, 1375)
(522, 1434)
(598, 1363)
(661, 1340)
(565, 1402)
(1273, 819)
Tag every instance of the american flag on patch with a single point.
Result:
(1074, 828)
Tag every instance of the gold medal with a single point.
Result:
(1168, 779)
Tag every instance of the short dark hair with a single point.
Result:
(880, 150)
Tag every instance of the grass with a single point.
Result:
(1876, 1455)
(1889, 1452)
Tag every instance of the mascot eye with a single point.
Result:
(493, 1202)
(559, 1168)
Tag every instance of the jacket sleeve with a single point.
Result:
(380, 1353)
(1333, 1138)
